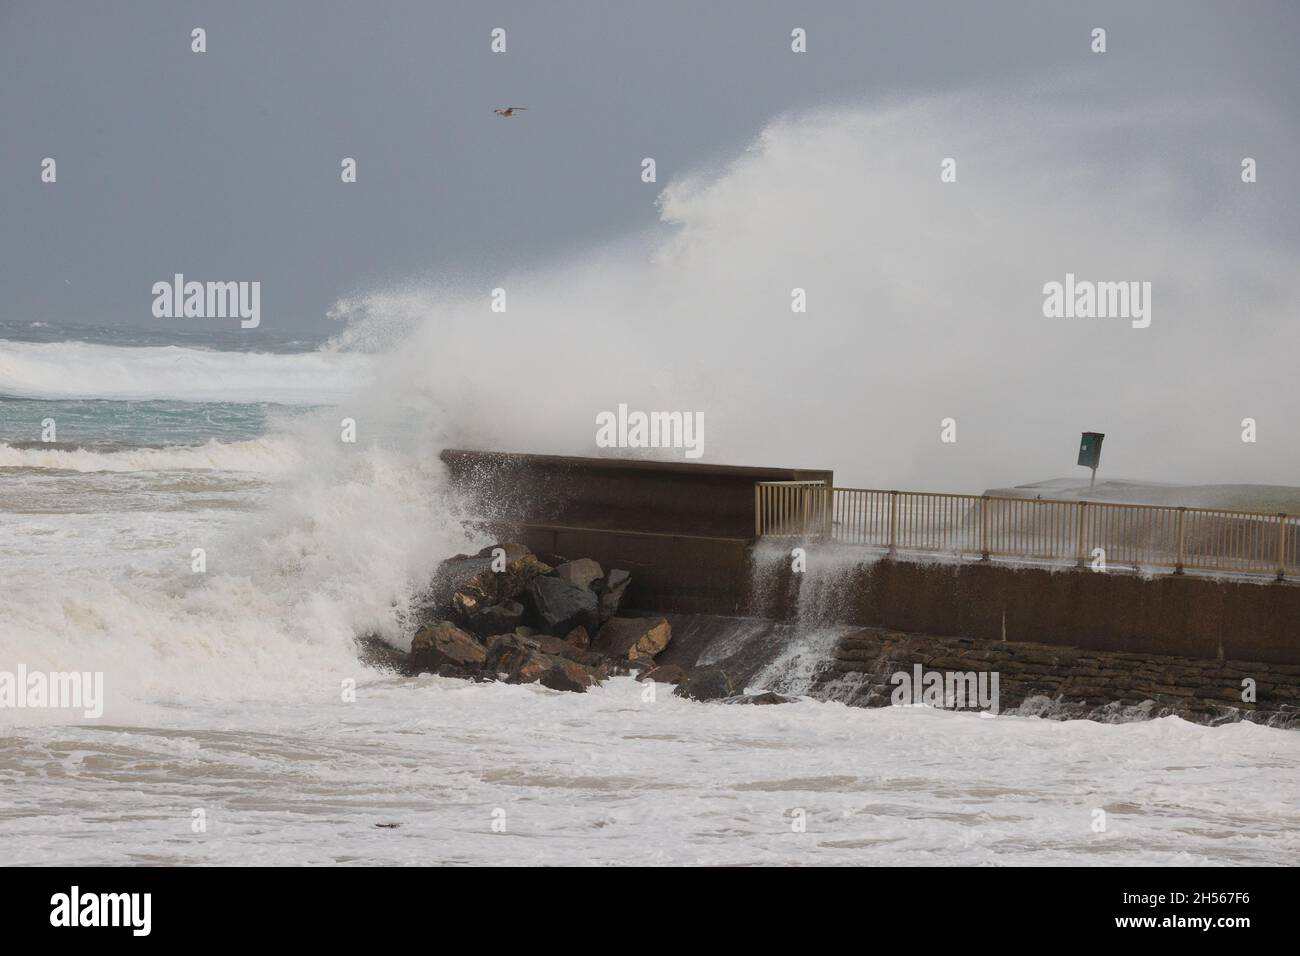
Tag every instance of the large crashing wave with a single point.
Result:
(924, 302)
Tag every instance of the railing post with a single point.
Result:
(1182, 540)
(984, 527)
(893, 522)
(1083, 561)
(828, 510)
(1281, 548)
(758, 509)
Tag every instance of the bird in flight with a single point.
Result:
(509, 110)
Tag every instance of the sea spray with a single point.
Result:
(912, 316)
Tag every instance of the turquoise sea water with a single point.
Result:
(101, 425)
(111, 388)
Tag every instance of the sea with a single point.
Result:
(181, 514)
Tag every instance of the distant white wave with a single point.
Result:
(70, 370)
(274, 453)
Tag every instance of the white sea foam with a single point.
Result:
(608, 777)
(338, 553)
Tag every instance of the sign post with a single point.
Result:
(1090, 453)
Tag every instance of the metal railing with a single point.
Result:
(1139, 536)
(792, 509)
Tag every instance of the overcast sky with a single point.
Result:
(225, 165)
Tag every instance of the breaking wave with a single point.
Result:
(68, 370)
(275, 453)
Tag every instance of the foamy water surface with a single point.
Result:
(611, 778)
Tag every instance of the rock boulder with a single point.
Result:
(767, 697)
(557, 606)
(506, 653)
(708, 683)
(665, 674)
(632, 638)
(445, 648)
(567, 675)
(497, 619)
(580, 572)
(611, 593)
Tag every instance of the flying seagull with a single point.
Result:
(509, 110)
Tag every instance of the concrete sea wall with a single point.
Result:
(1171, 614)
(1057, 681)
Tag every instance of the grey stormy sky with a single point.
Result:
(225, 165)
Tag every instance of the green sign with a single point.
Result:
(1090, 449)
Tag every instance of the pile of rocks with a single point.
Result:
(508, 614)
